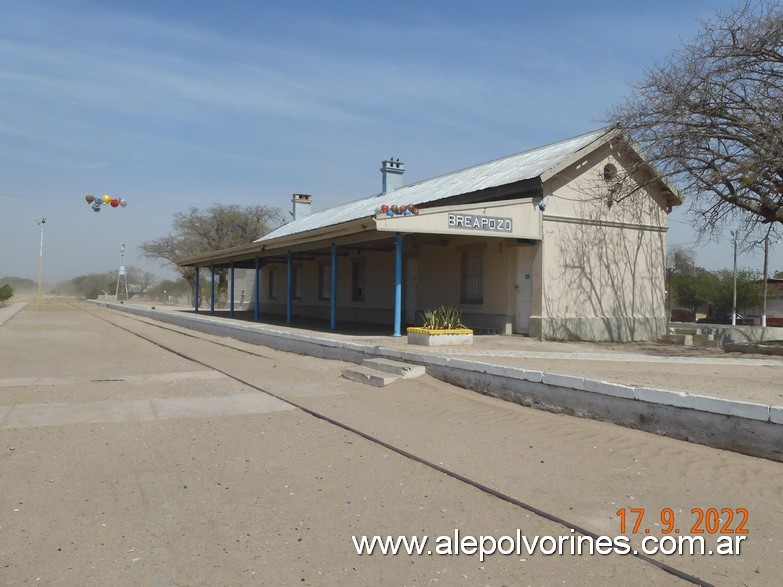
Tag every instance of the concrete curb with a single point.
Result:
(10, 310)
(745, 427)
(758, 348)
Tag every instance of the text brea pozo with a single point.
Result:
(479, 222)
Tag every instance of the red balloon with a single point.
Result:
(115, 202)
(384, 208)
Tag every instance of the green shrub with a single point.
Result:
(444, 318)
(6, 293)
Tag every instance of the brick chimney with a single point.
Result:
(392, 171)
(302, 203)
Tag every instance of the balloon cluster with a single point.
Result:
(96, 203)
(395, 210)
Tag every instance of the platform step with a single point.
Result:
(369, 376)
(398, 368)
(683, 339)
(707, 340)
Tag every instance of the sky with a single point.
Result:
(182, 104)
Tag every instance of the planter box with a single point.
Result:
(426, 337)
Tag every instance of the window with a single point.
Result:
(358, 271)
(472, 281)
(324, 282)
(272, 285)
(296, 277)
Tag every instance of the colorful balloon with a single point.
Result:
(106, 198)
(123, 202)
(114, 202)
(384, 208)
(89, 199)
(96, 207)
(389, 213)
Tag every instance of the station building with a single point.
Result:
(562, 242)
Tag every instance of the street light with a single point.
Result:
(41, 223)
(764, 283)
(122, 274)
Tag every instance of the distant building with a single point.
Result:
(566, 241)
(774, 304)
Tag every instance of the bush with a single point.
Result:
(6, 293)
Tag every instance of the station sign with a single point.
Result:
(481, 223)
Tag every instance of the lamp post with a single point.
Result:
(41, 223)
(734, 235)
(122, 274)
(764, 283)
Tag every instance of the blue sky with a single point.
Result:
(181, 103)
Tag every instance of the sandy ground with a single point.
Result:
(126, 464)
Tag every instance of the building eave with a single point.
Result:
(299, 241)
(670, 192)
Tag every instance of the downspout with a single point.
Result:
(212, 291)
(195, 301)
(257, 301)
(290, 296)
(231, 305)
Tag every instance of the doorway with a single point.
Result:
(524, 289)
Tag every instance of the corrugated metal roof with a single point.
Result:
(507, 170)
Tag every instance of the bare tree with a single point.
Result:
(141, 280)
(710, 119)
(681, 260)
(220, 226)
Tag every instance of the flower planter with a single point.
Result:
(428, 337)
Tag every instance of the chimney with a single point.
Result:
(392, 171)
(302, 203)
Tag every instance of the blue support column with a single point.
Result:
(231, 305)
(212, 291)
(290, 295)
(333, 295)
(398, 285)
(195, 295)
(257, 301)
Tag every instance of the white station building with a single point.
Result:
(564, 242)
